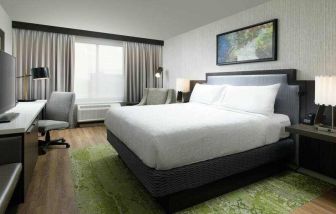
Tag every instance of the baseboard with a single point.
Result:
(90, 124)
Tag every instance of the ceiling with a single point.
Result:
(155, 19)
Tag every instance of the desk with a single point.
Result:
(19, 139)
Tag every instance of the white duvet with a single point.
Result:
(170, 136)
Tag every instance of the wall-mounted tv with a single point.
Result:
(7, 82)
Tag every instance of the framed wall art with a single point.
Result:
(255, 43)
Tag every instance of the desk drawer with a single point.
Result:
(10, 150)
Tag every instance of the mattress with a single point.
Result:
(170, 136)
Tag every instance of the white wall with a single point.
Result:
(307, 41)
(6, 26)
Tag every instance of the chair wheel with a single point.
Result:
(42, 151)
(67, 146)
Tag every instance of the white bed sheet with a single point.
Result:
(170, 136)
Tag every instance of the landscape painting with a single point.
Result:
(255, 43)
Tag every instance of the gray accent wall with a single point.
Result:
(307, 41)
(6, 26)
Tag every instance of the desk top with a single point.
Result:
(312, 132)
(28, 111)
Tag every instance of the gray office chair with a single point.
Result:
(59, 115)
(157, 96)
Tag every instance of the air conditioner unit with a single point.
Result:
(93, 112)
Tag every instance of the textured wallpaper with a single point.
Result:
(306, 41)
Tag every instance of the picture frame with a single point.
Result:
(2, 40)
(254, 43)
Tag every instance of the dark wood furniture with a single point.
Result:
(129, 103)
(317, 149)
(20, 139)
(2, 40)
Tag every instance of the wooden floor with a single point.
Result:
(52, 190)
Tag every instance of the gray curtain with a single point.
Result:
(141, 63)
(42, 49)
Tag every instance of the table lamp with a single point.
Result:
(182, 86)
(37, 74)
(325, 95)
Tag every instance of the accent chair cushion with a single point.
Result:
(47, 125)
(156, 96)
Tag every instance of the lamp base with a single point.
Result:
(325, 129)
(28, 100)
(179, 96)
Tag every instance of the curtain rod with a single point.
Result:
(77, 32)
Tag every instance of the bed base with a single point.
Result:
(161, 183)
(187, 198)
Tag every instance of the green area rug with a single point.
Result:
(103, 184)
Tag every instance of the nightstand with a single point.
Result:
(317, 149)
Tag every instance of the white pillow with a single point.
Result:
(255, 99)
(207, 94)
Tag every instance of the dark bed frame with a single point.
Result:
(181, 187)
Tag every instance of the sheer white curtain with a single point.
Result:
(141, 62)
(99, 70)
(44, 49)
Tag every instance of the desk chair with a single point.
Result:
(59, 115)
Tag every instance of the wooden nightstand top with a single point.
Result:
(312, 132)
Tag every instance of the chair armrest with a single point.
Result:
(171, 97)
(72, 120)
(144, 98)
(142, 102)
(10, 150)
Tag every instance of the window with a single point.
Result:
(99, 73)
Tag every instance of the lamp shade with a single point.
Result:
(325, 90)
(40, 73)
(183, 85)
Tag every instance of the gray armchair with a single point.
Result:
(59, 115)
(157, 96)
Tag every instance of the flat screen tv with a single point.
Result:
(7, 82)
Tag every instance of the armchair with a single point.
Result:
(157, 96)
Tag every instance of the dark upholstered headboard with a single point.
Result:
(288, 99)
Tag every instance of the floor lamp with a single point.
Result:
(159, 73)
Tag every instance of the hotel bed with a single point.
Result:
(175, 147)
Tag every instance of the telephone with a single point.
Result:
(309, 119)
